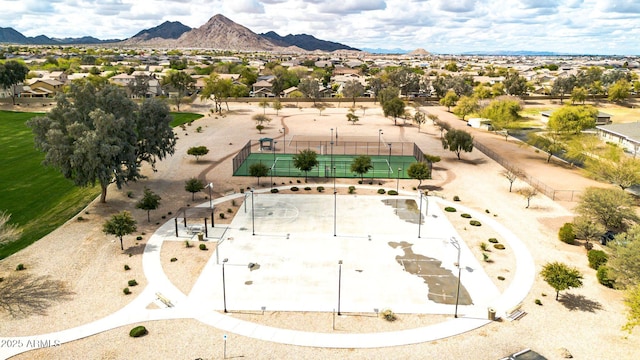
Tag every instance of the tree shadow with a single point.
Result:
(579, 302)
(139, 249)
(21, 296)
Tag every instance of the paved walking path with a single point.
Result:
(195, 304)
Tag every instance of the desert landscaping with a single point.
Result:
(85, 266)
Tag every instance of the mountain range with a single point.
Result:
(218, 33)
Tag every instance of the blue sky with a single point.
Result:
(440, 26)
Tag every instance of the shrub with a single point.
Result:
(174, 259)
(538, 302)
(352, 189)
(456, 198)
(307, 188)
(388, 315)
(203, 247)
(273, 191)
(233, 203)
(138, 331)
(187, 244)
(487, 211)
(126, 267)
(129, 194)
(597, 258)
(392, 192)
(485, 257)
(484, 246)
(298, 181)
(360, 182)
(565, 234)
(501, 278)
(320, 188)
(381, 191)
(20, 267)
(493, 240)
(450, 209)
(465, 215)
(132, 282)
(221, 215)
(475, 223)
(80, 218)
(230, 211)
(603, 276)
(588, 245)
(499, 246)
(294, 188)
(126, 291)
(138, 237)
(169, 213)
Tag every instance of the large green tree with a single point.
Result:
(450, 99)
(181, 82)
(258, 170)
(120, 224)
(12, 73)
(197, 151)
(457, 141)
(549, 143)
(465, 106)
(561, 277)
(612, 208)
(352, 89)
(305, 160)
(361, 165)
(503, 112)
(619, 170)
(393, 108)
(310, 88)
(632, 300)
(419, 171)
(150, 201)
(193, 186)
(573, 119)
(619, 91)
(102, 136)
(624, 258)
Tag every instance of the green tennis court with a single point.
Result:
(282, 165)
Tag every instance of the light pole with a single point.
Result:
(398, 181)
(379, 140)
(253, 215)
(420, 213)
(224, 290)
(456, 244)
(331, 134)
(331, 167)
(389, 161)
(339, 283)
(274, 151)
(335, 201)
(284, 139)
(210, 186)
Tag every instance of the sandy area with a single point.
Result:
(90, 264)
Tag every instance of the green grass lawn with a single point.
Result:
(38, 198)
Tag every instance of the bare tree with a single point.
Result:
(528, 193)
(511, 175)
(8, 232)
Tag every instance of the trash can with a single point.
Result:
(492, 314)
(200, 236)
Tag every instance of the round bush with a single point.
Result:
(126, 291)
(381, 191)
(132, 282)
(294, 188)
(493, 240)
(392, 192)
(352, 189)
(466, 216)
(320, 188)
(126, 267)
(174, 259)
(498, 246)
(138, 331)
(603, 276)
(566, 234)
(221, 215)
(597, 258)
(456, 198)
(273, 191)
(538, 302)
(475, 223)
(138, 237)
(203, 247)
(307, 188)
(20, 267)
(450, 209)
(501, 278)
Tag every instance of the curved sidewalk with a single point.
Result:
(183, 305)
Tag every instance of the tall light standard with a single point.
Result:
(389, 161)
(253, 215)
(331, 167)
(456, 244)
(224, 290)
(379, 140)
(331, 134)
(210, 186)
(335, 201)
(420, 213)
(339, 283)
(274, 151)
(398, 181)
(284, 139)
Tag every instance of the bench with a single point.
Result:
(164, 300)
(194, 229)
(516, 315)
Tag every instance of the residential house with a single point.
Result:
(262, 88)
(122, 79)
(625, 135)
(42, 88)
